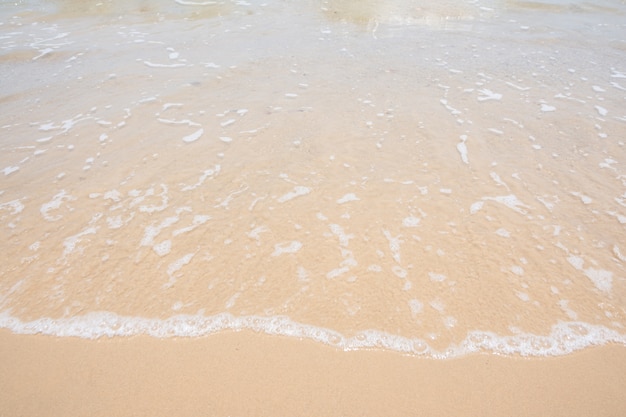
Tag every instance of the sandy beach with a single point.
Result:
(312, 208)
(246, 374)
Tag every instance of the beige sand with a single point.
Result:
(348, 164)
(244, 374)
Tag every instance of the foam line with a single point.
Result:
(564, 337)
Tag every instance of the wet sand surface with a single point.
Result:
(245, 374)
(359, 174)
(341, 182)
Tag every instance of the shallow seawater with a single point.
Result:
(436, 178)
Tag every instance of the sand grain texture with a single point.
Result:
(247, 374)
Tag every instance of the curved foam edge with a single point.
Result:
(564, 338)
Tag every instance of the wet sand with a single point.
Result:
(247, 374)
(398, 179)
(423, 179)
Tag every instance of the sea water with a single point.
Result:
(435, 178)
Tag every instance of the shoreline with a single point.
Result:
(252, 374)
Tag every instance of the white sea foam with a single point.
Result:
(564, 337)
(286, 247)
(411, 221)
(69, 244)
(9, 170)
(451, 109)
(475, 207)
(488, 95)
(494, 176)
(55, 204)
(511, 201)
(618, 253)
(163, 248)
(603, 280)
(585, 199)
(209, 173)
(178, 122)
(416, 307)
(194, 136)
(155, 65)
(176, 266)
(195, 3)
(347, 198)
(436, 277)
(344, 239)
(394, 245)
(337, 272)
(198, 219)
(154, 208)
(462, 148)
(503, 232)
(517, 270)
(399, 271)
(115, 222)
(297, 192)
(152, 231)
(15, 206)
(601, 111)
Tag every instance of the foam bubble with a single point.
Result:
(287, 247)
(511, 201)
(152, 231)
(69, 244)
(462, 148)
(488, 95)
(585, 199)
(198, 220)
(399, 271)
(338, 231)
(517, 270)
(603, 280)
(9, 170)
(394, 245)
(436, 277)
(15, 206)
(155, 65)
(194, 136)
(416, 306)
(209, 173)
(297, 192)
(176, 266)
(54, 204)
(576, 261)
(162, 248)
(601, 111)
(411, 221)
(115, 222)
(337, 272)
(154, 208)
(503, 232)
(348, 197)
(475, 207)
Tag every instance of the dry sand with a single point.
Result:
(247, 374)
